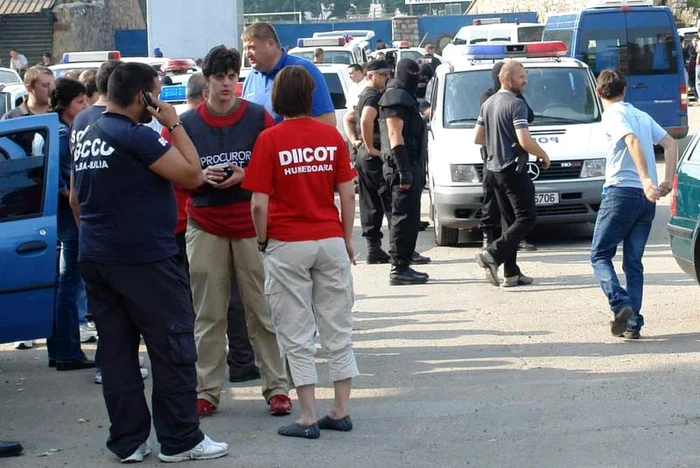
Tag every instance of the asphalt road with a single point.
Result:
(454, 373)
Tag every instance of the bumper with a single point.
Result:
(579, 200)
(680, 131)
(681, 240)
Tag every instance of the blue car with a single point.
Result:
(640, 40)
(29, 167)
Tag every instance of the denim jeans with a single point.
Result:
(64, 344)
(625, 216)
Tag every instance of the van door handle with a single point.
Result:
(31, 247)
(639, 86)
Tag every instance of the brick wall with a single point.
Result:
(405, 28)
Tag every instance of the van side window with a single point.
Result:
(651, 51)
(604, 48)
(23, 173)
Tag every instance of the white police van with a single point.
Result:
(567, 124)
(338, 50)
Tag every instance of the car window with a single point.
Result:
(563, 35)
(22, 174)
(556, 95)
(605, 48)
(530, 33)
(479, 35)
(4, 103)
(336, 89)
(330, 56)
(651, 51)
(411, 54)
(8, 77)
(58, 73)
(502, 35)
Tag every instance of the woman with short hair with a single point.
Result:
(307, 246)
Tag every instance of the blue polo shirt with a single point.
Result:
(258, 86)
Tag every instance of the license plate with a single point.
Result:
(547, 198)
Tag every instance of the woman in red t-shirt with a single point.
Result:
(292, 173)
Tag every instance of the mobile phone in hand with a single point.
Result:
(146, 96)
(228, 170)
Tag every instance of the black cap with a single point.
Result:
(377, 65)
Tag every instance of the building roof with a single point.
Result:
(24, 7)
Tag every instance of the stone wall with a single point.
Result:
(91, 24)
(405, 28)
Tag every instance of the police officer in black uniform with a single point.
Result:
(404, 144)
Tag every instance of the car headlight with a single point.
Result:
(464, 173)
(593, 168)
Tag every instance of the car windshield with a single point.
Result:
(329, 56)
(556, 95)
(58, 73)
(8, 77)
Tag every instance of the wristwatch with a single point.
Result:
(262, 245)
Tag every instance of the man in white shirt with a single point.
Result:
(18, 62)
(357, 77)
(630, 191)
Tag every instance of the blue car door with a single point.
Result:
(29, 165)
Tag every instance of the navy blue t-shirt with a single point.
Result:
(127, 212)
(84, 119)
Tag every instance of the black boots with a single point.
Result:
(375, 254)
(405, 275)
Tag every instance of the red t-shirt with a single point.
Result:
(298, 163)
(233, 220)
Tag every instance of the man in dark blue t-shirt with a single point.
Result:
(137, 285)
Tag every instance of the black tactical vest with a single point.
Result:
(414, 129)
(219, 145)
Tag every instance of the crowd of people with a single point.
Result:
(222, 231)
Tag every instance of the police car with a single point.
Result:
(339, 83)
(9, 76)
(11, 96)
(339, 50)
(567, 124)
(83, 61)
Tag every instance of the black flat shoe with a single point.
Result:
(418, 259)
(247, 375)
(10, 449)
(328, 423)
(75, 365)
(52, 363)
(297, 430)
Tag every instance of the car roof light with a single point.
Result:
(550, 49)
(623, 4)
(175, 93)
(94, 56)
(484, 21)
(320, 41)
(401, 44)
(178, 65)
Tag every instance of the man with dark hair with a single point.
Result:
(490, 222)
(263, 51)
(403, 147)
(319, 55)
(430, 57)
(18, 62)
(221, 236)
(630, 191)
(137, 286)
(357, 84)
(89, 79)
(502, 127)
(362, 129)
(46, 59)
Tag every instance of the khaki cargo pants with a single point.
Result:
(309, 286)
(213, 259)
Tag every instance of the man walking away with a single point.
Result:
(403, 145)
(502, 128)
(629, 202)
(490, 222)
(221, 236)
(123, 173)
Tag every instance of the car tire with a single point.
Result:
(444, 236)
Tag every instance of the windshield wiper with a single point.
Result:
(466, 119)
(561, 119)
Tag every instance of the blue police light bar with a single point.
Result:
(549, 49)
(175, 93)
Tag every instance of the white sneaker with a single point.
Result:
(142, 452)
(24, 345)
(98, 375)
(87, 335)
(207, 449)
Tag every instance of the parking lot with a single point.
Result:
(454, 373)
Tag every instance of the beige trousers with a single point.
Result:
(213, 259)
(309, 286)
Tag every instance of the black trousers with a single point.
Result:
(405, 216)
(152, 300)
(375, 199)
(240, 356)
(515, 194)
(490, 222)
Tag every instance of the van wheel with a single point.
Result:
(445, 236)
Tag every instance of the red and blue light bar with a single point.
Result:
(549, 49)
(94, 56)
(322, 41)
